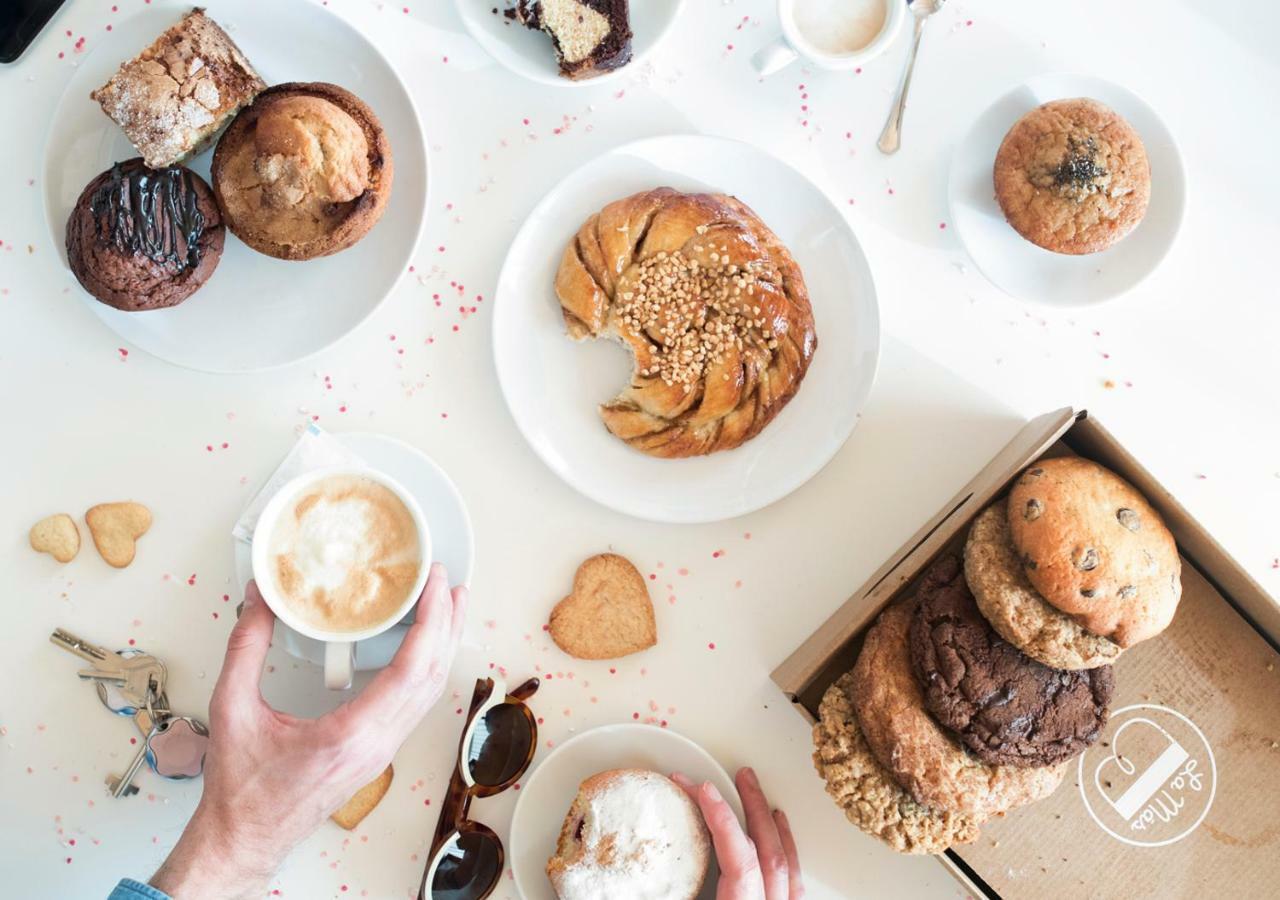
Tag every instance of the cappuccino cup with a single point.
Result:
(831, 34)
(340, 555)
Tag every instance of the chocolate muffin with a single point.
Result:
(1005, 707)
(141, 238)
(304, 172)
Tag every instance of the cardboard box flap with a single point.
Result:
(831, 647)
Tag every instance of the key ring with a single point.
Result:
(108, 694)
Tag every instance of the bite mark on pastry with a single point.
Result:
(712, 306)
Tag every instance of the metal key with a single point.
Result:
(80, 647)
(134, 675)
(124, 786)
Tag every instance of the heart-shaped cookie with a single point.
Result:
(116, 528)
(609, 614)
(56, 535)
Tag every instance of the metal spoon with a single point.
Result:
(891, 137)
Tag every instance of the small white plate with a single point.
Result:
(452, 540)
(553, 385)
(529, 53)
(1028, 272)
(255, 312)
(546, 795)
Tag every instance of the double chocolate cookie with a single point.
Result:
(926, 759)
(1005, 707)
(141, 238)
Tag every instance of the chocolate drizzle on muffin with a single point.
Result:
(154, 212)
(141, 238)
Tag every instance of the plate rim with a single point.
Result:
(241, 550)
(483, 41)
(422, 211)
(732, 798)
(1176, 156)
(873, 325)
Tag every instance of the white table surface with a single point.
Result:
(1184, 370)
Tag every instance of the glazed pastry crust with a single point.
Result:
(1072, 176)
(760, 358)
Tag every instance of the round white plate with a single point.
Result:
(1028, 272)
(551, 786)
(452, 540)
(529, 53)
(553, 385)
(255, 312)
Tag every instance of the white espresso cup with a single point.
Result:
(339, 646)
(831, 34)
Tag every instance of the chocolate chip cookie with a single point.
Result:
(1008, 709)
(865, 790)
(1095, 548)
(1015, 609)
(1072, 176)
(926, 760)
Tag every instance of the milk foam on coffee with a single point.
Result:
(345, 554)
(840, 27)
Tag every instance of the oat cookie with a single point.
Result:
(1072, 176)
(1016, 610)
(1095, 548)
(867, 793)
(1005, 707)
(56, 535)
(609, 614)
(116, 528)
(923, 758)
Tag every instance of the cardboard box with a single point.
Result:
(1187, 802)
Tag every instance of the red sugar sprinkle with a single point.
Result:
(711, 646)
(635, 715)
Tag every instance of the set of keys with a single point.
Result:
(133, 683)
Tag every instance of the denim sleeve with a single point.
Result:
(128, 889)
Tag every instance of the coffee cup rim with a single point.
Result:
(895, 13)
(271, 512)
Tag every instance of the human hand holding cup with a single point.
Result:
(340, 555)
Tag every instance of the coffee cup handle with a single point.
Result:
(773, 57)
(339, 664)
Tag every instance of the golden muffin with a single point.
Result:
(305, 171)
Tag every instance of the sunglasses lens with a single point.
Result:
(469, 868)
(499, 745)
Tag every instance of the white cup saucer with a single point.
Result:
(453, 542)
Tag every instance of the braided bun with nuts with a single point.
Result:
(712, 306)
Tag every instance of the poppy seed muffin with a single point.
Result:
(1072, 176)
(141, 239)
(304, 172)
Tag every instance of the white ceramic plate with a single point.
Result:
(255, 312)
(1028, 272)
(452, 540)
(553, 385)
(550, 788)
(529, 53)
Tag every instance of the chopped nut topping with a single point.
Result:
(692, 315)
